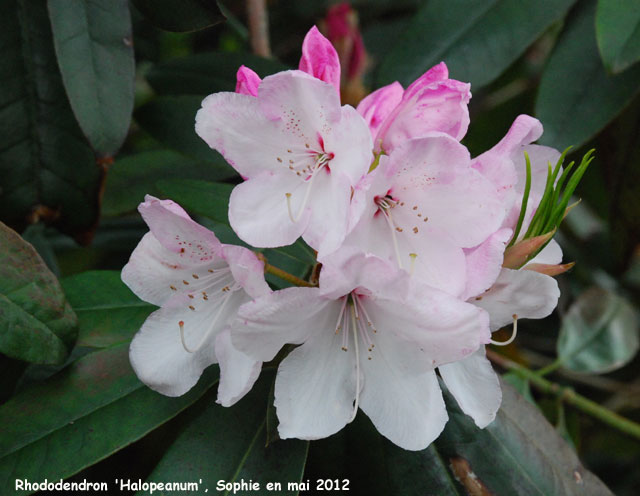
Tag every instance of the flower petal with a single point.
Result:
(431, 103)
(258, 210)
(443, 328)
(329, 209)
(401, 394)
(320, 59)
(549, 255)
(475, 386)
(177, 232)
(247, 81)
(247, 270)
(315, 387)
(234, 125)
(434, 180)
(377, 106)
(290, 315)
(238, 372)
(484, 263)
(524, 293)
(157, 354)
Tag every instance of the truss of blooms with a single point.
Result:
(423, 252)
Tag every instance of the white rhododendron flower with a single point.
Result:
(199, 283)
(371, 337)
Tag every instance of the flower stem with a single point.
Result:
(567, 395)
(271, 269)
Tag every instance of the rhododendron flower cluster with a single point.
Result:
(422, 253)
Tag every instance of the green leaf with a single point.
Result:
(527, 455)
(477, 39)
(577, 97)
(204, 198)
(172, 120)
(599, 333)
(618, 33)
(82, 415)
(48, 169)
(205, 73)
(135, 176)
(520, 384)
(228, 444)
(37, 323)
(94, 45)
(108, 312)
(180, 15)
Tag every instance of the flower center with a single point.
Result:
(307, 167)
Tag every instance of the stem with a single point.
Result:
(259, 27)
(568, 395)
(270, 269)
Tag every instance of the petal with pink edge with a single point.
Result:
(177, 232)
(430, 104)
(247, 81)
(377, 106)
(320, 59)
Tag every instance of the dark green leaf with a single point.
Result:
(94, 45)
(108, 312)
(599, 333)
(36, 322)
(205, 73)
(172, 120)
(577, 97)
(520, 384)
(200, 197)
(180, 15)
(82, 415)
(477, 39)
(47, 168)
(228, 444)
(131, 178)
(618, 33)
(527, 455)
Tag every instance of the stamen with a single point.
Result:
(387, 216)
(513, 334)
(321, 161)
(209, 330)
(355, 340)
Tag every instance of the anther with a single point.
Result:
(195, 276)
(186, 283)
(173, 287)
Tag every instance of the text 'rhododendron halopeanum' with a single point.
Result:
(422, 252)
